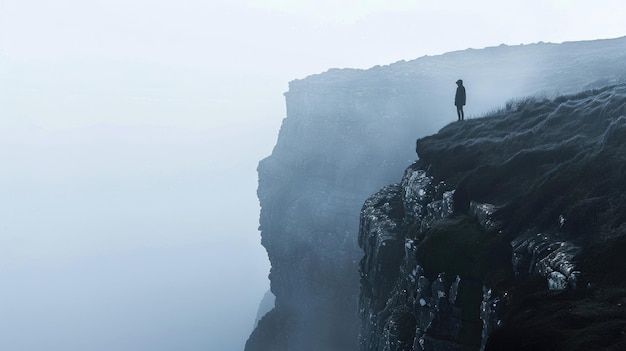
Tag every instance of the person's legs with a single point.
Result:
(459, 112)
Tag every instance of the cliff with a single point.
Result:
(350, 132)
(509, 233)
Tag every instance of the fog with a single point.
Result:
(128, 239)
(125, 233)
(130, 132)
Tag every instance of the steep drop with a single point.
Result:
(507, 234)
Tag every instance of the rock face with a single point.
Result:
(507, 234)
(350, 132)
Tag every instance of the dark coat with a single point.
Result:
(459, 98)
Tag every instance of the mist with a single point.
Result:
(129, 211)
(130, 133)
(128, 239)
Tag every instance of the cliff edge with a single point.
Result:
(350, 132)
(509, 233)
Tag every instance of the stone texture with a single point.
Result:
(347, 134)
(511, 249)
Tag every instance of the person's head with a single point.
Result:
(459, 82)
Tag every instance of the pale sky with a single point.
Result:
(251, 48)
(130, 131)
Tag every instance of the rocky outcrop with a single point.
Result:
(350, 132)
(500, 223)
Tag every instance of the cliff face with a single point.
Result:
(350, 132)
(509, 233)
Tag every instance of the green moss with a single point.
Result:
(460, 246)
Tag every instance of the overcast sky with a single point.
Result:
(229, 44)
(130, 131)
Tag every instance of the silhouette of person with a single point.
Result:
(459, 99)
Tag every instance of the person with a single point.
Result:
(459, 99)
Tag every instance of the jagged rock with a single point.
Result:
(438, 305)
(521, 260)
(347, 134)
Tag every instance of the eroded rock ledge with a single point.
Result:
(507, 234)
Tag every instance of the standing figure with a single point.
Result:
(459, 99)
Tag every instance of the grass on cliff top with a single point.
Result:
(460, 246)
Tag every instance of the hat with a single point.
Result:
(459, 81)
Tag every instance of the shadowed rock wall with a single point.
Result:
(507, 234)
(350, 132)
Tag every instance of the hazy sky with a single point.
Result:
(130, 131)
(226, 45)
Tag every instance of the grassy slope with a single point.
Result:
(541, 159)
